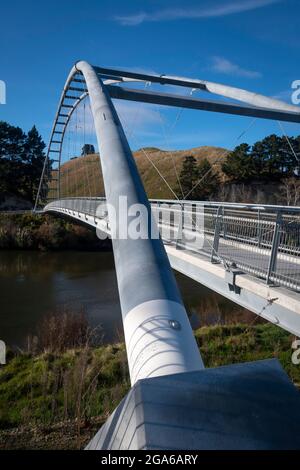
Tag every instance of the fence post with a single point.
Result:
(218, 223)
(158, 216)
(224, 223)
(180, 227)
(259, 232)
(274, 248)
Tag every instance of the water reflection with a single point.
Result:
(34, 283)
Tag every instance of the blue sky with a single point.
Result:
(253, 44)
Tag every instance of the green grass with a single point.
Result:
(50, 388)
(222, 345)
(90, 382)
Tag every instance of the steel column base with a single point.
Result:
(242, 406)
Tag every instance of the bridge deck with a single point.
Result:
(260, 275)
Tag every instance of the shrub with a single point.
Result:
(62, 330)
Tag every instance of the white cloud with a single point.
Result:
(225, 66)
(136, 116)
(214, 11)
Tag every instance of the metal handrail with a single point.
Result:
(263, 240)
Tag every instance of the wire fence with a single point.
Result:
(263, 241)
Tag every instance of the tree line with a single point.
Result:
(21, 161)
(269, 159)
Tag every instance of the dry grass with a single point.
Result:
(62, 330)
(83, 176)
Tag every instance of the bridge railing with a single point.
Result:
(261, 240)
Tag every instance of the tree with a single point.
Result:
(208, 181)
(269, 159)
(188, 175)
(296, 147)
(21, 160)
(238, 165)
(290, 190)
(33, 163)
(272, 158)
(87, 149)
(12, 150)
(292, 156)
(198, 181)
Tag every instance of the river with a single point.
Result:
(33, 284)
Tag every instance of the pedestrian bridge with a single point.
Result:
(247, 253)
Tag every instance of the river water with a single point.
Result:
(33, 284)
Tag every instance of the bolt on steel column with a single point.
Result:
(158, 335)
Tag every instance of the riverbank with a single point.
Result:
(45, 232)
(59, 400)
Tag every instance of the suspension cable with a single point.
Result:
(131, 131)
(85, 165)
(158, 171)
(288, 140)
(180, 111)
(246, 130)
(77, 162)
(68, 159)
(179, 114)
(172, 155)
(180, 202)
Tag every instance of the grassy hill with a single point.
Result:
(83, 175)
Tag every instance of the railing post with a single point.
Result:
(259, 232)
(218, 223)
(224, 223)
(159, 218)
(274, 248)
(180, 226)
